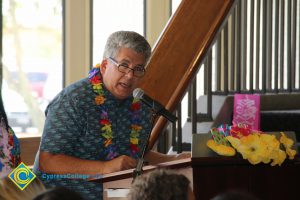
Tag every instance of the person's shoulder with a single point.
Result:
(80, 85)
(73, 92)
(75, 89)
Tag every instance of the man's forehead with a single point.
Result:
(125, 59)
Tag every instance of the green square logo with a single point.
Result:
(22, 176)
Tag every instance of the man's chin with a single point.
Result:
(123, 95)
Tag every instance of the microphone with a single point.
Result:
(154, 105)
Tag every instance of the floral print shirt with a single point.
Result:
(72, 128)
(9, 150)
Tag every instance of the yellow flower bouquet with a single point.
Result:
(255, 146)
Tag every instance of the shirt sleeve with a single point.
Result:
(63, 126)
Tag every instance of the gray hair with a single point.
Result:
(160, 185)
(126, 39)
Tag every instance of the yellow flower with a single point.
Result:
(257, 147)
(98, 65)
(134, 140)
(107, 142)
(99, 100)
(220, 149)
(97, 86)
(107, 128)
(235, 142)
(291, 153)
(288, 143)
(136, 127)
(272, 147)
(279, 159)
(251, 148)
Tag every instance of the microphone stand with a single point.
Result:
(139, 167)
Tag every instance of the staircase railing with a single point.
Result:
(180, 51)
(213, 47)
(257, 51)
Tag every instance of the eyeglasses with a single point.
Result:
(138, 71)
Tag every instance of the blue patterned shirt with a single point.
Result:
(72, 128)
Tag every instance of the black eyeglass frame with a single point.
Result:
(134, 70)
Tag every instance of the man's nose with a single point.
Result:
(130, 73)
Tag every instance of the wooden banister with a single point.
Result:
(180, 50)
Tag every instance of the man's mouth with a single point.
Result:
(125, 85)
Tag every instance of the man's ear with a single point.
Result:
(103, 66)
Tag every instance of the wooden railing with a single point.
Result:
(257, 51)
(241, 46)
(180, 50)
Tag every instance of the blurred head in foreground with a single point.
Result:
(10, 191)
(161, 185)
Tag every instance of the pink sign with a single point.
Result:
(246, 110)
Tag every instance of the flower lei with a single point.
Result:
(106, 130)
(255, 146)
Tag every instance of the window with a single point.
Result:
(32, 61)
(175, 4)
(114, 15)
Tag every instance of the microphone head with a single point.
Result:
(138, 93)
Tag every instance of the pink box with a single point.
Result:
(246, 110)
